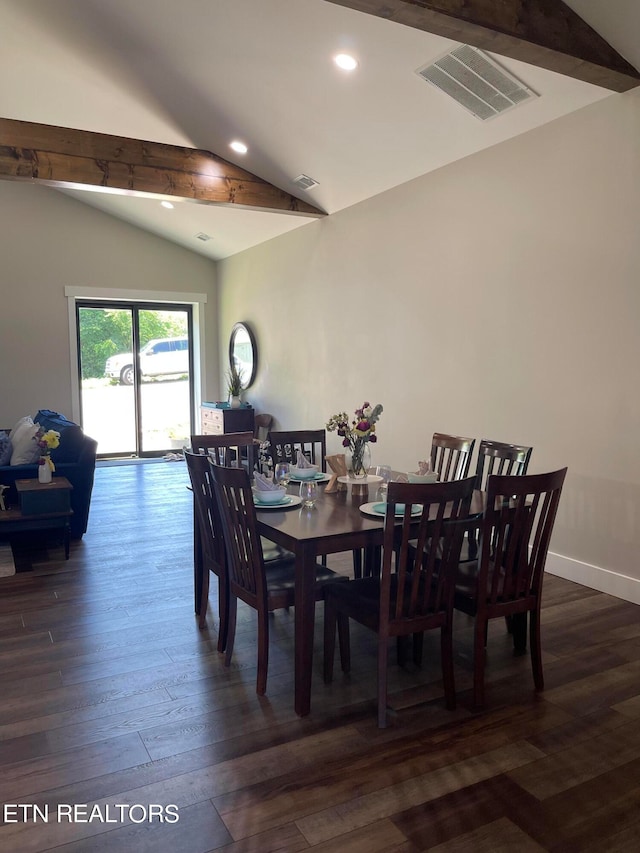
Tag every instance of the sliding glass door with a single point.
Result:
(136, 368)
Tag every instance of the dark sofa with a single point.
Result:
(74, 458)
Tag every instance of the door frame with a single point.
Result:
(114, 295)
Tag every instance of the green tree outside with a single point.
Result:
(106, 332)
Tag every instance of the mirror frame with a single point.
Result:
(244, 327)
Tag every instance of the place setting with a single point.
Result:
(272, 495)
(302, 471)
(378, 509)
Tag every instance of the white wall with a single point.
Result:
(497, 298)
(49, 241)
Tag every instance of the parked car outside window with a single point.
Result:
(159, 357)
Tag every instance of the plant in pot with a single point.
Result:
(235, 378)
(178, 436)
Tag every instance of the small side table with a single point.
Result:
(38, 498)
(43, 506)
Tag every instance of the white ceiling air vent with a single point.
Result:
(304, 182)
(202, 236)
(476, 82)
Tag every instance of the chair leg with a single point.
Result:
(357, 562)
(473, 547)
(383, 653)
(536, 650)
(372, 561)
(263, 652)
(344, 642)
(330, 619)
(519, 631)
(231, 630)
(479, 659)
(223, 611)
(446, 653)
(401, 650)
(418, 645)
(204, 599)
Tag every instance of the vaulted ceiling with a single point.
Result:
(80, 80)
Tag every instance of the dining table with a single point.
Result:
(334, 524)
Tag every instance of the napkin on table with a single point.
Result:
(424, 474)
(338, 465)
(263, 484)
(303, 462)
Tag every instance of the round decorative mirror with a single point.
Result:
(243, 352)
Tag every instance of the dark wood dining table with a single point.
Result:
(333, 525)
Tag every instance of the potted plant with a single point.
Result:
(235, 378)
(178, 436)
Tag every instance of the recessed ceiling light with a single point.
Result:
(346, 62)
(167, 204)
(239, 147)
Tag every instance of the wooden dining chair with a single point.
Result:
(265, 587)
(507, 578)
(227, 448)
(223, 449)
(451, 456)
(496, 457)
(285, 444)
(415, 597)
(450, 459)
(209, 553)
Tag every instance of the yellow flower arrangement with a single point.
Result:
(47, 441)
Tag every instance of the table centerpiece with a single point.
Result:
(357, 435)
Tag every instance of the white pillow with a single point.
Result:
(25, 449)
(26, 420)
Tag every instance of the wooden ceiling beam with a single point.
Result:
(545, 33)
(79, 159)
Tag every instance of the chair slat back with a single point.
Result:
(422, 585)
(497, 457)
(206, 510)
(227, 448)
(284, 446)
(515, 535)
(451, 456)
(232, 490)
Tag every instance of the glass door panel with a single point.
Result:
(165, 374)
(107, 391)
(135, 405)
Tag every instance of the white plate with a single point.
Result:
(370, 509)
(289, 502)
(319, 477)
(360, 481)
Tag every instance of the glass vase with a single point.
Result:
(44, 470)
(360, 460)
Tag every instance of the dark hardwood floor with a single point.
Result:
(111, 696)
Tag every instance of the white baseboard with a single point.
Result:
(595, 577)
